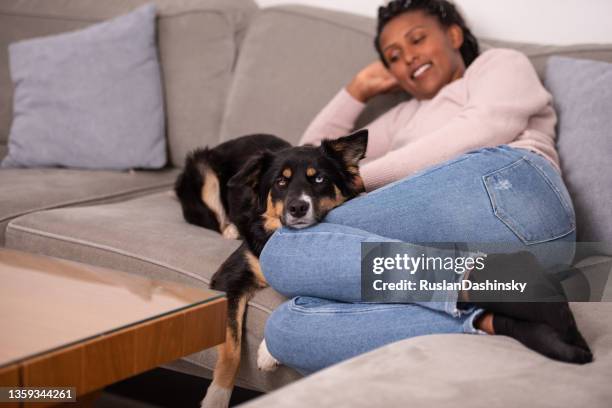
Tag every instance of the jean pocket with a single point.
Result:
(529, 203)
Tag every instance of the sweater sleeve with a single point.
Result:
(503, 92)
(338, 119)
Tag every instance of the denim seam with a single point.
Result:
(423, 173)
(493, 201)
(555, 189)
(437, 168)
(304, 232)
(304, 310)
(450, 305)
(506, 167)
(332, 310)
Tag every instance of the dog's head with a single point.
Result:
(298, 186)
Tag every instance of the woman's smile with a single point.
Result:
(420, 71)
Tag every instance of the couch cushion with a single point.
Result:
(301, 56)
(90, 99)
(461, 370)
(198, 41)
(582, 92)
(148, 236)
(28, 190)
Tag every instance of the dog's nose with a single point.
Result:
(298, 208)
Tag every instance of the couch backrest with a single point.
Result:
(295, 58)
(198, 44)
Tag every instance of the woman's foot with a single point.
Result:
(569, 347)
(524, 266)
(484, 322)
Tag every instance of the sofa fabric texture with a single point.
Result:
(448, 371)
(89, 98)
(220, 83)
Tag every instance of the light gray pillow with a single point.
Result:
(90, 98)
(582, 92)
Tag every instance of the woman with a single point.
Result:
(470, 158)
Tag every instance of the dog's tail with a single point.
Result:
(188, 189)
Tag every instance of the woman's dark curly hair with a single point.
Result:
(443, 10)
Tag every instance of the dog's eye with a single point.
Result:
(281, 181)
(319, 179)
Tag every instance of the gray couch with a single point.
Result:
(230, 69)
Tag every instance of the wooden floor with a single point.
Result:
(162, 388)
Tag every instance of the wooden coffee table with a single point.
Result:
(68, 324)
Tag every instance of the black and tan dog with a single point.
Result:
(250, 187)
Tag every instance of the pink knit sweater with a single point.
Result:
(499, 100)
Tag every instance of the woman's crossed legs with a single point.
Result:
(493, 195)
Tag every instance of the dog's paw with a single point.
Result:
(231, 232)
(216, 397)
(265, 361)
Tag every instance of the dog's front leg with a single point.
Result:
(228, 360)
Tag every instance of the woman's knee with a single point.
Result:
(273, 334)
(283, 265)
(322, 261)
(273, 265)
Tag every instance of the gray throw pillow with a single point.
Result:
(90, 98)
(582, 93)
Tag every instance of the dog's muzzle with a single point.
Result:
(299, 213)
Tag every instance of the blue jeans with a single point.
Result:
(492, 195)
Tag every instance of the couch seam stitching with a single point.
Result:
(86, 201)
(90, 244)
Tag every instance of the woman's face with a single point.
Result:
(421, 54)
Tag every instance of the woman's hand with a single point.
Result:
(372, 80)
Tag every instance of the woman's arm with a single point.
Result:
(338, 119)
(339, 116)
(503, 90)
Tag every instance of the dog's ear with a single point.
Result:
(250, 174)
(350, 149)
